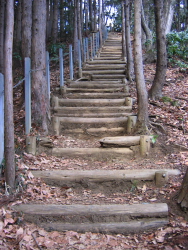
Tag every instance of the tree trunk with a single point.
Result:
(75, 31)
(18, 27)
(130, 65)
(9, 123)
(100, 22)
(26, 28)
(86, 17)
(62, 19)
(147, 31)
(40, 103)
(142, 119)
(91, 16)
(156, 90)
(55, 21)
(123, 30)
(183, 195)
(2, 34)
(169, 13)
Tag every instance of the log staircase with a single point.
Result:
(98, 104)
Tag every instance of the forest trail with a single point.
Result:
(99, 105)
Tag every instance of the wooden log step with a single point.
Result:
(96, 95)
(103, 72)
(107, 58)
(97, 110)
(93, 102)
(131, 227)
(98, 153)
(97, 132)
(123, 141)
(110, 81)
(99, 85)
(96, 218)
(92, 213)
(88, 120)
(103, 67)
(61, 112)
(70, 177)
(94, 77)
(96, 90)
(105, 61)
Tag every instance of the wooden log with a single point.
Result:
(55, 102)
(107, 109)
(31, 145)
(115, 76)
(56, 124)
(61, 177)
(97, 90)
(96, 213)
(88, 120)
(96, 95)
(125, 228)
(96, 102)
(125, 141)
(161, 178)
(61, 112)
(96, 85)
(145, 145)
(103, 72)
(128, 101)
(95, 152)
(131, 122)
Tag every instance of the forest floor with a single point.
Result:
(170, 151)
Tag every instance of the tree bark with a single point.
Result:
(55, 21)
(26, 28)
(156, 90)
(130, 65)
(183, 195)
(123, 30)
(18, 27)
(169, 13)
(75, 31)
(2, 34)
(146, 30)
(142, 119)
(40, 104)
(9, 123)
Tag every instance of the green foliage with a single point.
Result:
(154, 138)
(171, 101)
(177, 48)
(54, 49)
(134, 185)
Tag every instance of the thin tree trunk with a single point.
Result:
(147, 31)
(9, 123)
(62, 18)
(75, 31)
(130, 64)
(142, 119)
(40, 104)
(100, 22)
(169, 13)
(18, 27)
(183, 194)
(86, 17)
(55, 21)
(2, 34)
(26, 28)
(156, 90)
(123, 30)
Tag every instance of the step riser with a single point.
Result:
(134, 227)
(97, 85)
(96, 96)
(96, 115)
